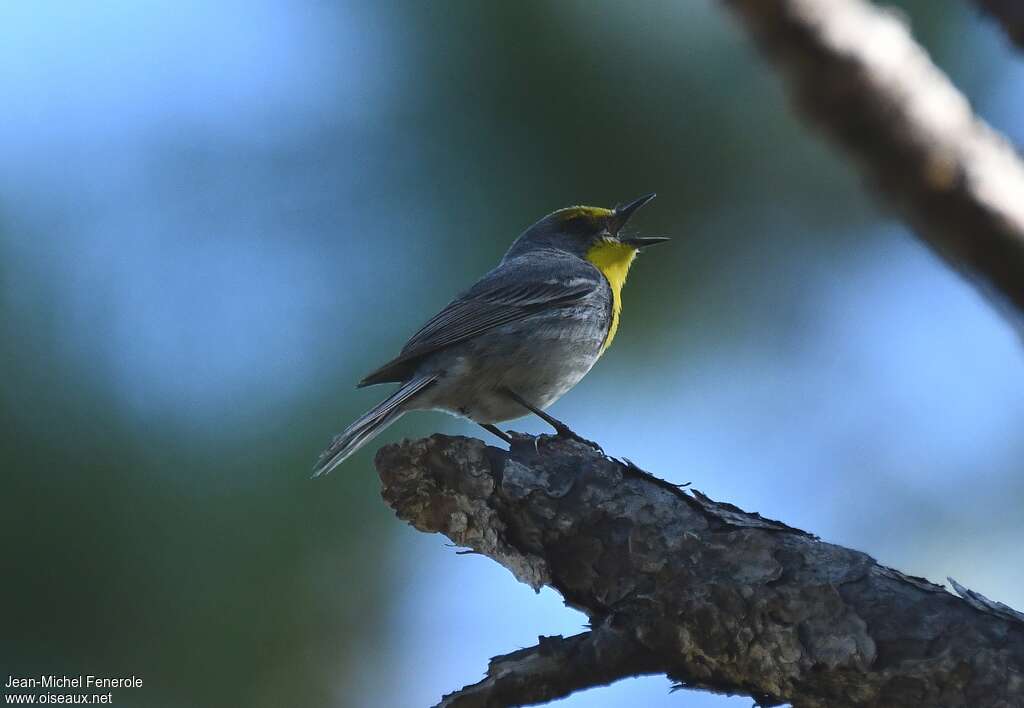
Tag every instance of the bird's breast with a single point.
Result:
(613, 259)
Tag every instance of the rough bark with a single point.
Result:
(555, 668)
(855, 71)
(713, 596)
(1009, 14)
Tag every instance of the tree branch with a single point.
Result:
(856, 72)
(713, 596)
(1009, 14)
(555, 668)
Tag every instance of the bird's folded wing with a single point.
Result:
(511, 292)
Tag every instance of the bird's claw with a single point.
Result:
(561, 433)
(564, 431)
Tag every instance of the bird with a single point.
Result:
(520, 337)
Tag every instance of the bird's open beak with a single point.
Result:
(622, 214)
(644, 241)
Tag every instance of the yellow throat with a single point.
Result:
(613, 260)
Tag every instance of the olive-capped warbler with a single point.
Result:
(521, 337)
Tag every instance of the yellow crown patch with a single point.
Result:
(577, 211)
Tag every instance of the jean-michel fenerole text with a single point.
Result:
(86, 681)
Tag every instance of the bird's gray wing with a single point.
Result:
(512, 291)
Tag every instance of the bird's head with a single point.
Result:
(582, 229)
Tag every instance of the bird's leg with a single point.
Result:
(561, 429)
(494, 430)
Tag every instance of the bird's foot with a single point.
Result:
(538, 442)
(564, 432)
(521, 440)
(561, 429)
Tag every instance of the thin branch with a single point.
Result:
(555, 668)
(856, 72)
(1009, 14)
(715, 597)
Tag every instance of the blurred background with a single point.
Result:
(216, 217)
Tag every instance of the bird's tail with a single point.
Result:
(369, 425)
